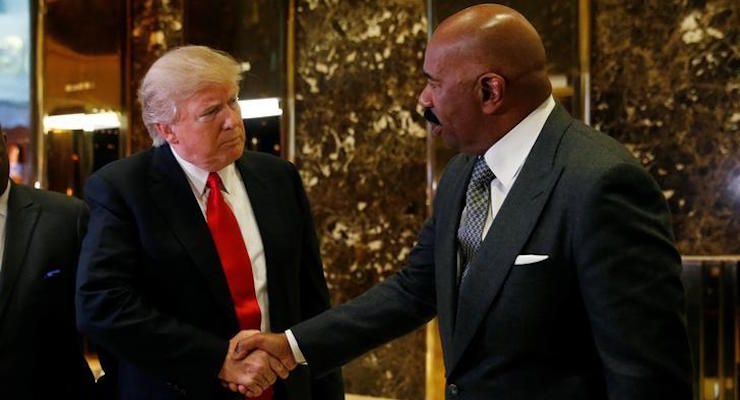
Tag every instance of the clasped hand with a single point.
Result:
(254, 362)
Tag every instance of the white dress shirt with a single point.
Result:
(3, 218)
(235, 194)
(505, 158)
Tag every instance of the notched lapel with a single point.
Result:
(517, 219)
(450, 204)
(267, 212)
(23, 214)
(510, 231)
(172, 194)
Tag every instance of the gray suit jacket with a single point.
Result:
(602, 317)
(40, 350)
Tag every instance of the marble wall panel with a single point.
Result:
(361, 150)
(666, 82)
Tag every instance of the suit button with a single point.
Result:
(453, 389)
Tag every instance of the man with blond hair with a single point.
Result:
(193, 241)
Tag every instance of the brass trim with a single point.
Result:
(127, 90)
(722, 373)
(40, 170)
(431, 154)
(435, 368)
(287, 139)
(715, 258)
(584, 59)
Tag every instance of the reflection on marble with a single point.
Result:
(157, 27)
(666, 82)
(361, 150)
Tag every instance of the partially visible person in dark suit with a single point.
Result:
(194, 241)
(41, 352)
(549, 256)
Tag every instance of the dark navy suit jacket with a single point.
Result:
(41, 353)
(151, 290)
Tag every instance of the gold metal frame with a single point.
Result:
(287, 137)
(584, 59)
(127, 90)
(39, 170)
(435, 367)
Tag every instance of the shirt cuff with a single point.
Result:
(297, 354)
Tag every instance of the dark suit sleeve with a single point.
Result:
(82, 218)
(314, 295)
(77, 213)
(629, 275)
(114, 315)
(401, 303)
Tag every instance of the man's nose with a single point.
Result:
(233, 117)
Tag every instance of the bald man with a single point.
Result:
(549, 257)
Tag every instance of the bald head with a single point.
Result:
(486, 71)
(496, 38)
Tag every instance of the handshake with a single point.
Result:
(254, 362)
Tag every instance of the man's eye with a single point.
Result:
(208, 112)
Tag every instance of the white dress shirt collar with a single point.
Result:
(237, 198)
(506, 157)
(197, 176)
(4, 201)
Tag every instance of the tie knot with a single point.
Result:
(482, 175)
(214, 181)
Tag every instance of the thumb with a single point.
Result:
(245, 343)
(240, 350)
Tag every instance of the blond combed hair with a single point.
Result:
(176, 76)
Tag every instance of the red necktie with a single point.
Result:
(234, 259)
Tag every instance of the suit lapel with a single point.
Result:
(173, 196)
(450, 204)
(19, 225)
(512, 227)
(266, 208)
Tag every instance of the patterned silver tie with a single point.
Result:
(477, 200)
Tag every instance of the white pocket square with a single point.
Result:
(525, 259)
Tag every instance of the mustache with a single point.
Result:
(430, 116)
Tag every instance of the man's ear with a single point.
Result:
(491, 91)
(165, 130)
